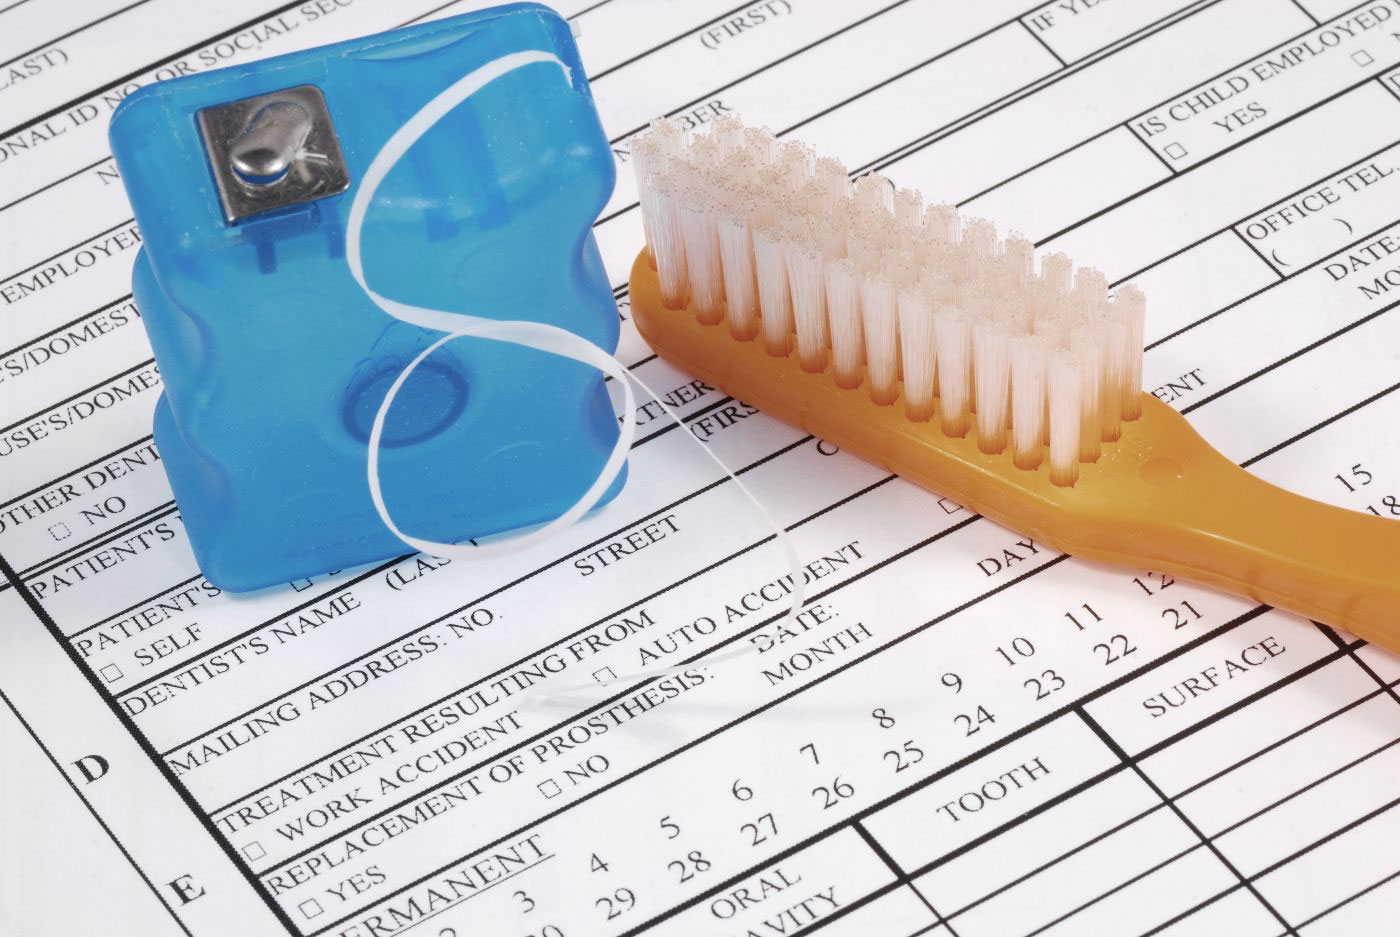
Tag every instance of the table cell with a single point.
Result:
(899, 913)
(1041, 841)
(1081, 880)
(794, 894)
(1087, 178)
(1383, 662)
(1075, 31)
(936, 94)
(1325, 9)
(1265, 92)
(1224, 743)
(1358, 914)
(978, 797)
(1076, 105)
(1319, 380)
(1198, 685)
(1237, 913)
(1322, 219)
(1315, 813)
(1222, 190)
(1294, 766)
(1337, 867)
(1147, 902)
(1215, 273)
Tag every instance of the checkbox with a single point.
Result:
(604, 675)
(254, 851)
(1362, 57)
(60, 531)
(549, 788)
(300, 585)
(309, 908)
(1175, 150)
(111, 673)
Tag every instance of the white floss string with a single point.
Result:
(537, 335)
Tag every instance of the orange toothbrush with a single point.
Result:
(929, 347)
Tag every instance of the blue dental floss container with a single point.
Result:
(274, 360)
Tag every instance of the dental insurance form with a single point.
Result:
(963, 734)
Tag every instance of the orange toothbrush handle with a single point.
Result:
(1159, 498)
(1229, 528)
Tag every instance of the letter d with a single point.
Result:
(92, 767)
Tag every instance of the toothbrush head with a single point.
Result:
(926, 309)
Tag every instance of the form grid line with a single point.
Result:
(859, 575)
(900, 876)
(1254, 249)
(1190, 824)
(1044, 45)
(87, 804)
(144, 744)
(1352, 655)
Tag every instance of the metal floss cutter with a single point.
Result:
(274, 360)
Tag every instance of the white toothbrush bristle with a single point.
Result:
(700, 236)
(807, 282)
(1027, 353)
(796, 159)
(875, 191)
(908, 208)
(740, 280)
(979, 239)
(991, 363)
(1088, 356)
(953, 347)
(879, 319)
(1057, 270)
(775, 307)
(1063, 389)
(669, 245)
(909, 299)
(1115, 377)
(843, 314)
(761, 144)
(1020, 260)
(916, 345)
(1131, 305)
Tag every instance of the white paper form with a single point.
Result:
(965, 734)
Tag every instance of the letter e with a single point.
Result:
(185, 889)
